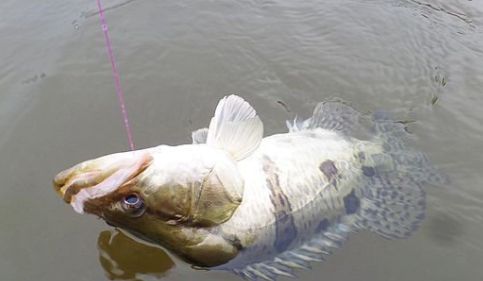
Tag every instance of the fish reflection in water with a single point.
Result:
(123, 258)
(260, 207)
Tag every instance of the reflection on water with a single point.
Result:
(123, 258)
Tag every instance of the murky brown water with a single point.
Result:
(422, 60)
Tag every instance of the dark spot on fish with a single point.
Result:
(237, 243)
(328, 168)
(322, 226)
(285, 229)
(351, 203)
(368, 171)
(234, 241)
(330, 171)
(282, 200)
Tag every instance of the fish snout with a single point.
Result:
(70, 186)
(110, 171)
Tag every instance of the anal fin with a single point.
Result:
(285, 264)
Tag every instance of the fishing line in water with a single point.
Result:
(115, 74)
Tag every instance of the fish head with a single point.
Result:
(167, 196)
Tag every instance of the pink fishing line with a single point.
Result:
(115, 74)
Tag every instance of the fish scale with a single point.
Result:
(312, 196)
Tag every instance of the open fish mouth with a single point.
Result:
(98, 177)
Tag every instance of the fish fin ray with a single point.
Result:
(285, 264)
(393, 136)
(392, 206)
(334, 115)
(235, 127)
(297, 124)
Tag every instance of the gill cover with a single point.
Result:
(236, 129)
(200, 184)
(219, 195)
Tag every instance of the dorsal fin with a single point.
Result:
(235, 127)
(330, 115)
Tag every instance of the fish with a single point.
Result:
(261, 207)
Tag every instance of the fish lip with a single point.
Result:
(67, 187)
(73, 185)
(59, 187)
(71, 181)
(92, 173)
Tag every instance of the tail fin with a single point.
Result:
(413, 163)
(393, 201)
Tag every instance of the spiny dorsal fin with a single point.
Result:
(199, 136)
(297, 124)
(235, 127)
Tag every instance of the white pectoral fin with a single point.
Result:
(235, 127)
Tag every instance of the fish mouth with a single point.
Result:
(98, 177)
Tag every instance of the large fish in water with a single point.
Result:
(260, 207)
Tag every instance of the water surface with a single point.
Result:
(421, 60)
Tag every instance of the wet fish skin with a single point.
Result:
(260, 207)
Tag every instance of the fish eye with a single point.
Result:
(134, 205)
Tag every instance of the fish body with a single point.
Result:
(295, 185)
(260, 207)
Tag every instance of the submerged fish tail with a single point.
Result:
(393, 199)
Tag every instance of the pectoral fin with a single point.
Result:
(235, 127)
